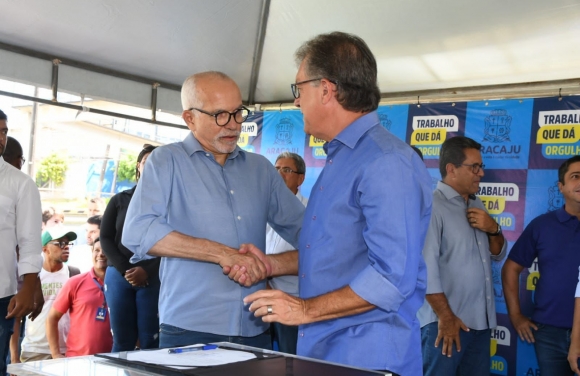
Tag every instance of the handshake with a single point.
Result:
(246, 266)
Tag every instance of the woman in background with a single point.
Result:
(132, 290)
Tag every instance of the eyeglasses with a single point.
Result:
(287, 170)
(62, 245)
(222, 118)
(296, 89)
(474, 167)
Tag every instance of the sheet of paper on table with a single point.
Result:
(203, 358)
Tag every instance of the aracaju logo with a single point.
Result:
(494, 197)
(497, 126)
(429, 132)
(496, 137)
(559, 133)
(283, 138)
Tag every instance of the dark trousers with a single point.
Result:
(473, 360)
(286, 336)
(172, 336)
(6, 330)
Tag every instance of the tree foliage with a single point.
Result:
(52, 169)
(126, 170)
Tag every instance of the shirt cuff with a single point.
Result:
(377, 290)
(151, 237)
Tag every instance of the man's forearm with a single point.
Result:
(284, 263)
(340, 303)
(510, 282)
(52, 335)
(496, 244)
(179, 245)
(440, 305)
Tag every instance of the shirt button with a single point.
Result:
(301, 334)
(232, 191)
(207, 155)
(239, 218)
(307, 245)
(302, 275)
(330, 161)
(314, 218)
(488, 297)
(321, 188)
(484, 261)
(487, 279)
(479, 243)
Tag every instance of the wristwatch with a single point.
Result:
(498, 232)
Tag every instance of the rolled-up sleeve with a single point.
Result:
(396, 205)
(146, 221)
(28, 228)
(432, 252)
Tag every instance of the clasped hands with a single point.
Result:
(247, 266)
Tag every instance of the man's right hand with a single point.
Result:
(449, 327)
(246, 267)
(523, 326)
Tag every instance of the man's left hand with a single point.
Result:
(285, 309)
(479, 219)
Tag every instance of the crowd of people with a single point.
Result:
(214, 243)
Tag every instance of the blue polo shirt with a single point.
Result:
(554, 238)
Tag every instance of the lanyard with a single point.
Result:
(102, 290)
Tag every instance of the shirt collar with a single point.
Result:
(447, 191)
(563, 215)
(355, 130)
(3, 163)
(192, 145)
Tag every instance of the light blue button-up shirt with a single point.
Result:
(364, 227)
(184, 189)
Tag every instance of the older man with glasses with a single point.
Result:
(462, 240)
(197, 203)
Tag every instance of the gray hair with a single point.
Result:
(189, 95)
(298, 161)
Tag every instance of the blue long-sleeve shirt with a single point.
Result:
(364, 227)
(184, 189)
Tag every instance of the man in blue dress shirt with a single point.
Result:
(362, 276)
(198, 201)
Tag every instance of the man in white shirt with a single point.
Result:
(292, 168)
(20, 223)
(54, 273)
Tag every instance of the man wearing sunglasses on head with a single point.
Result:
(198, 201)
(462, 240)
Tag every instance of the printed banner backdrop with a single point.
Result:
(524, 141)
(429, 125)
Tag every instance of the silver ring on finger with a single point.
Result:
(269, 309)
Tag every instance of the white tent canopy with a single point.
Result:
(419, 45)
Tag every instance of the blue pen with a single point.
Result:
(188, 349)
